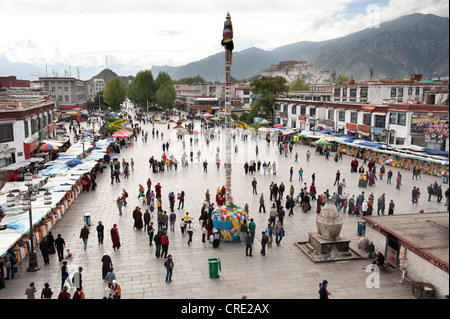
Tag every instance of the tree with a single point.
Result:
(299, 85)
(114, 93)
(166, 95)
(342, 79)
(270, 88)
(142, 89)
(191, 80)
(99, 99)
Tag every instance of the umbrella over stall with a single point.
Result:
(73, 162)
(48, 147)
(122, 134)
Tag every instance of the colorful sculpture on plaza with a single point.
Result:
(228, 219)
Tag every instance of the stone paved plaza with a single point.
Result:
(285, 272)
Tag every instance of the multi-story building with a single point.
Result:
(207, 97)
(11, 82)
(96, 86)
(292, 70)
(396, 124)
(23, 123)
(387, 91)
(67, 92)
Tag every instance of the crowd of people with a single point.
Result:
(158, 221)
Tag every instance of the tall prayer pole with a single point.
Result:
(227, 42)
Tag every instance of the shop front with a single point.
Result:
(30, 144)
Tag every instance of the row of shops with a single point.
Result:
(63, 181)
(432, 162)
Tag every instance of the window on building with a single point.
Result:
(367, 119)
(354, 117)
(312, 112)
(344, 92)
(246, 92)
(285, 108)
(393, 92)
(417, 91)
(418, 140)
(400, 92)
(26, 128)
(303, 110)
(6, 133)
(401, 120)
(337, 92)
(392, 118)
(380, 121)
(363, 93)
(331, 115)
(342, 116)
(294, 109)
(410, 91)
(352, 92)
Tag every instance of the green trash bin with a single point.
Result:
(214, 267)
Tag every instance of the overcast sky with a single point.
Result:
(176, 32)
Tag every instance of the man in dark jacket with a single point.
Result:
(264, 239)
(157, 240)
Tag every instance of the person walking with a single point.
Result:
(77, 278)
(261, 203)
(264, 240)
(106, 264)
(100, 233)
(84, 235)
(300, 174)
(30, 291)
(43, 246)
(150, 232)
(46, 292)
(120, 203)
(248, 244)
(181, 200)
(64, 274)
(172, 220)
(147, 219)
(110, 276)
(391, 207)
(399, 180)
(115, 238)
(164, 245)
(381, 203)
(338, 177)
(252, 229)
(254, 183)
(137, 216)
(60, 245)
(190, 231)
(115, 289)
(164, 221)
(169, 264)
(64, 294)
(158, 244)
(291, 171)
(389, 177)
(279, 233)
(323, 291)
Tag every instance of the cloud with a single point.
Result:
(176, 32)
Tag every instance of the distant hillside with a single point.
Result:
(413, 44)
(107, 74)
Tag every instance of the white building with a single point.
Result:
(23, 123)
(96, 86)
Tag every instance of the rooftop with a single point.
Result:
(427, 234)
